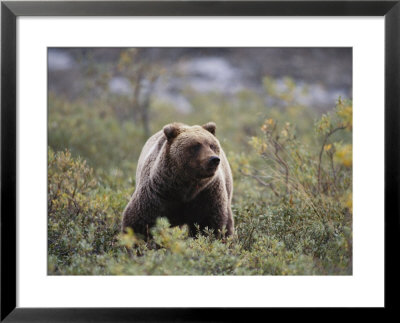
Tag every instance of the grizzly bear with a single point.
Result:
(184, 176)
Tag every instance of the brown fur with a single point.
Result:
(174, 179)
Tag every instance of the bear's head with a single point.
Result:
(194, 151)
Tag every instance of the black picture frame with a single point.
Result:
(11, 10)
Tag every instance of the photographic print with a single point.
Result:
(199, 161)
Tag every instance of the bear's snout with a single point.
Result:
(213, 162)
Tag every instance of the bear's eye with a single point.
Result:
(195, 148)
(213, 147)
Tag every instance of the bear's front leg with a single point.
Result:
(141, 214)
(138, 222)
(210, 209)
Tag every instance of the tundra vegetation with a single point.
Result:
(292, 170)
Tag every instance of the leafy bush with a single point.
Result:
(83, 218)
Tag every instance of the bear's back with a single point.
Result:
(148, 155)
(227, 173)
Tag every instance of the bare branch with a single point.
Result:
(321, 152)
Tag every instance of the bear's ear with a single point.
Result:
(210, 126)
(171, 131)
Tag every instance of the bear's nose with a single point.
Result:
(214, 161)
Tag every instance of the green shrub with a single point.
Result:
(83, 218)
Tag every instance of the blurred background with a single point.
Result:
(89, 72)
(284, 120)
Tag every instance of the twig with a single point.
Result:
(259, 180)
(283, 163)
(321, 152)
